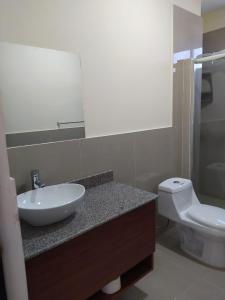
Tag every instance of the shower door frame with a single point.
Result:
(196, 128)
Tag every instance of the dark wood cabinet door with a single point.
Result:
(80, 267)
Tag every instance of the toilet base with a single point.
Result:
(202, 246)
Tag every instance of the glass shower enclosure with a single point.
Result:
(209, 133)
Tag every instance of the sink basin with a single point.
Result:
(50, 204)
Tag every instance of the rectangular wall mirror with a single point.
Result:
(41, 94)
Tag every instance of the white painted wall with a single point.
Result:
(214, 20)
(39, 87)
(191, 5)
(126, 52)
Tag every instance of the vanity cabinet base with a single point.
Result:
(79, 268)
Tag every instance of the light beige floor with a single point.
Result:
(177, 277)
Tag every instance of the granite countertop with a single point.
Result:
(101, 204)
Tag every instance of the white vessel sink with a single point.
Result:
(50, 204)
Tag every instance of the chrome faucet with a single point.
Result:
(36, 181)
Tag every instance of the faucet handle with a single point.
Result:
(35, 173)
(36, 181)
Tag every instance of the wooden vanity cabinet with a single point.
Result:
(79, 268)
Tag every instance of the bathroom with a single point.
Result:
(130, 75)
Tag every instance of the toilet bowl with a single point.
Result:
(201, 227)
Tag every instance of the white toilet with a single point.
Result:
(201, 227)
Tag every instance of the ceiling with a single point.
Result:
(210, 5)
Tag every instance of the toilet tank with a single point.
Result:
(175, 196)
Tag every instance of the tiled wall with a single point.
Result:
(142, 159)
(187, 33)
(46, 136)
(213, 41)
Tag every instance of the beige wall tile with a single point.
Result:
(142, 159)
(57, 162)
(109, 153)
(188, 31)
(91, 156)
(155, 158)
(118, 155)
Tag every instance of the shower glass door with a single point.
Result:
(211, 152)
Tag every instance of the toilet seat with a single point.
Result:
(207, 215)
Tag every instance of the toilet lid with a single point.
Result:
(208, 215)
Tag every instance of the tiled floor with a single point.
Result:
(177, 277)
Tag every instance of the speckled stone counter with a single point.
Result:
(101, 204)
